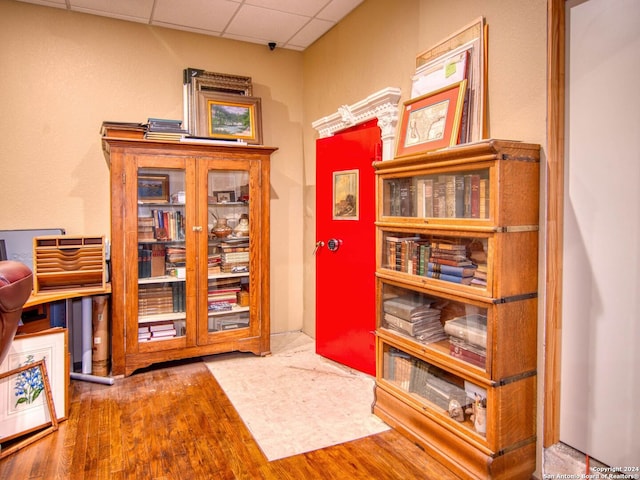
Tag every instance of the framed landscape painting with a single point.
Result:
(229, 117)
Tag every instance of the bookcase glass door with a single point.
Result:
(162, 279)
(228, 250)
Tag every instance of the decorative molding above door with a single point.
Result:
(382, 105)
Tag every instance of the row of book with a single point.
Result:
(161, 298)
(435, 259)
(416, 376)
(440, 196)
(161, 225)
(151, 260)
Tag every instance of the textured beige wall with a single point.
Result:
(63, 73)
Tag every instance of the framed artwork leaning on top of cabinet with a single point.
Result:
(182, 285)
(456, 268)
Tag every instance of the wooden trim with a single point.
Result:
(555, 220)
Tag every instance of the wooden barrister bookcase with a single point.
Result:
(457, 255)
(175, 285)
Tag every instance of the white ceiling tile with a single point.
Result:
(139, 10)
(290, 23)
(209, 15)
(257, 22)
(338, 9)
(311, 32)
(308, 8)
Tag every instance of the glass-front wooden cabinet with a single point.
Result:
(189, 250)
(457, 256)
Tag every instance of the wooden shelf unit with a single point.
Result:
(163, 205)
(457, 238)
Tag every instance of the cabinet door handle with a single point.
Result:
(197, 228)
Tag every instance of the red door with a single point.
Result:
(345, 253)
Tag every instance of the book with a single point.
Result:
(428, 198)
(459, 271)
(123, 129)
(406, 307)
(449, 278)
(460, 349)
(475, 196)
(470, 328)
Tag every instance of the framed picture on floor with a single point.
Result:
(23, 403)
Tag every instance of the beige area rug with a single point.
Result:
(296, 401)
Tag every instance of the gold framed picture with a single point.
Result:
(229, 117)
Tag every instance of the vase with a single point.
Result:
(221, 229)
(242, 229)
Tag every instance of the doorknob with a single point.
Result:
(319, 244)
(334, 244)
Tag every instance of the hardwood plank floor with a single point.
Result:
(175, 422)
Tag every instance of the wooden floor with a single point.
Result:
(175, 422)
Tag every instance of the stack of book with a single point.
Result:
(449, 262)
(145, 229)
(468, 338)
(413, 315)
(478, 255)
(176, 258)
(214, 261)
(234, 256)
(156, 331)
(222, 294)
(164, 129)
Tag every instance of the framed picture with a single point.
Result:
(153, 188)
(346, 195)
(224, 196)
(472, 39)
(432, 121)
(229, 117)
(197, 80)
(23, 403)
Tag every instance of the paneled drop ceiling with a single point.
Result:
(292, 24)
